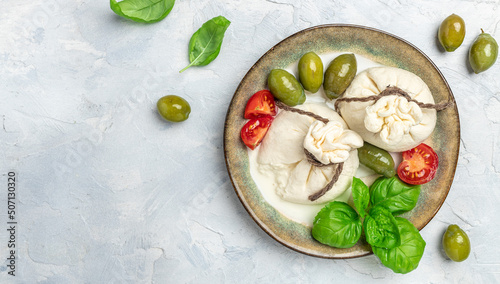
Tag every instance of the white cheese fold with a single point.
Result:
(330, 142)
(392, 117)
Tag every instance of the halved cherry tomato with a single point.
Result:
(254, 130)
(419, 165)
(260, 104)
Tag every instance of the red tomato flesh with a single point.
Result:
(254, 130)
(260, 104)
(419, 165)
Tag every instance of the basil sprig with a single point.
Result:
(405, 257)
(393, 194)
(360, 196)
(395, 240)
(381, 229)
(337, 225)
(206, 42)
(144, 11)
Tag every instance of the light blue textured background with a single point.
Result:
(110, 193)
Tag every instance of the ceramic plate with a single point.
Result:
(377, 46)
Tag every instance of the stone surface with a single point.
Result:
(107, 192)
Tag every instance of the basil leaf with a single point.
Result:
(405, 257)
(393, 194)
(381, 229)
(360, 196)
(206, 42)
(337, 225)
(145, 11)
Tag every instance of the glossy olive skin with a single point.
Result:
(339, 75)
(311, 72)
(483, 53)
(456, 243)
(379, 160)
(451, 32)
(173, 108)
(285, 87)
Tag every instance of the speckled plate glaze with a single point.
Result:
(377, 46)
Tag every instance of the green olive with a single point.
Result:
(285, 87)
(456, 243)
(173, 108)
(339, 75)
(483, 53)
(311, 71)
(451, 32)
(379, 160)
